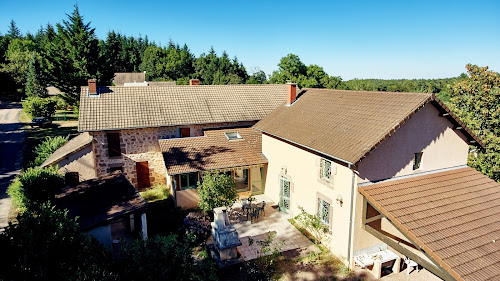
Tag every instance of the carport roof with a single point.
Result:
(452, 215)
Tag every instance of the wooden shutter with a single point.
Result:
(142, 175)
(185, 132)
(114, 144)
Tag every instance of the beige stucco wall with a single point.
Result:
(303, 169)
(442, 147)
(140, 145)
(81, 161)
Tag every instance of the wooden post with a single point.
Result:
(132, 223)
(144, 226)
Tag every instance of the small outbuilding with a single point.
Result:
(108, 207)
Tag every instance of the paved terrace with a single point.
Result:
(271, 221)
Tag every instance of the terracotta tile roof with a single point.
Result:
(99, 200)
(141, 107)
(212, 151)
(128, 77)
(452, 215)
(346, 125)
(73, 145)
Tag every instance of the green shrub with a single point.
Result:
(217, 190)
(61, 103)
(47, 147)
(39, 185)
(46, 245)
(197, 226)
(19, 200)
(155, 193)
(39, 107)
(312, 223)
(158, 258)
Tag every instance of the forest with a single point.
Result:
(66, 54)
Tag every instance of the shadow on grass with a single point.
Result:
(36, 135)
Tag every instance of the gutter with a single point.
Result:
(350, 219)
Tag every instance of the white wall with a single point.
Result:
(102, 234)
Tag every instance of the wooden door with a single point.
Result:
(142, 175)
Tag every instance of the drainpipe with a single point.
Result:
(350, 219)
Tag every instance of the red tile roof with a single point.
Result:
(213, 151)
(452, 215)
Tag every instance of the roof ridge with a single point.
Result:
(370, 92)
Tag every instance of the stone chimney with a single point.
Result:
(291, 93)
(92, 86)
(194, 82)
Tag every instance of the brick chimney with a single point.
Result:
(291, 93)
(92, 87)
(194, 82)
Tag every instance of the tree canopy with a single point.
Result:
(476, 100)
(74, 56)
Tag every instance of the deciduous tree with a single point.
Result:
(476, 100)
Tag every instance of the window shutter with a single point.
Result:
(114, 144)
(333, 171)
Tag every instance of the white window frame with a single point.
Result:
(232, 136)
(322, 206)
(326, 170)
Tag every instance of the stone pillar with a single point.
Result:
(132, 223)
(144, 226)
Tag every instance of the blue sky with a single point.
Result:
(351, 39)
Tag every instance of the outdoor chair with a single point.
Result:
(262, 208)
(410, 264)
(245, 205)
(254, 213)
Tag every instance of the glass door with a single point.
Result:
(241, 180)
(284, 203)
(257, 177)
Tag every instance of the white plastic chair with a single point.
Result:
(410, 264)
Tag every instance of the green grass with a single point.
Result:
(24, 117)
(155, 193)
(70, 115)
(35, 136)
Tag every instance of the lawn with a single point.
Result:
(36, 135)
(65, 115)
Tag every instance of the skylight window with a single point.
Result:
(233, 136)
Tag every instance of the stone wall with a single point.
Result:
(140, 145)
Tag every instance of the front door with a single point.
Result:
(142, 175)
(284, 203)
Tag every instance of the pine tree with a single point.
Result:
(74, 56)
(14, 32)
(35, 86)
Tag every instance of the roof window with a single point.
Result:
(233, 136)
